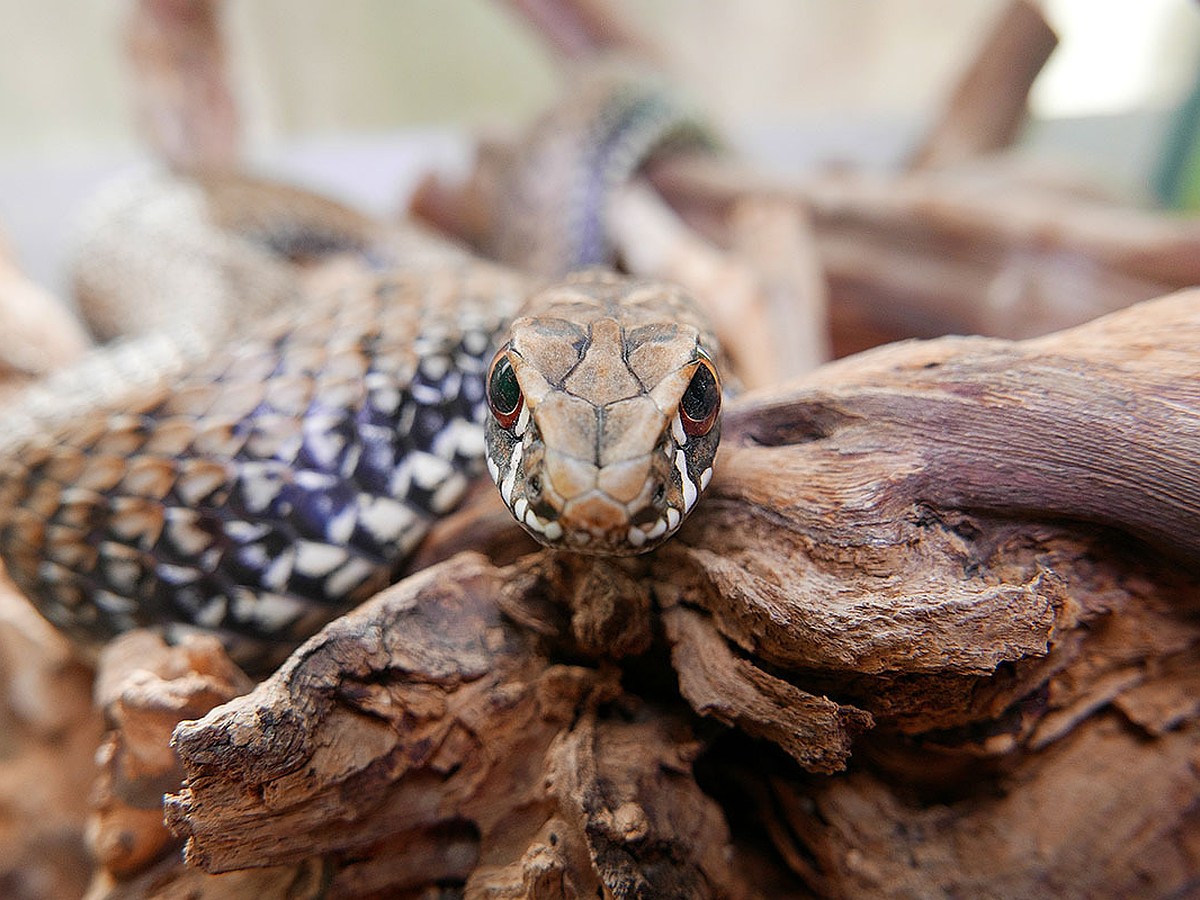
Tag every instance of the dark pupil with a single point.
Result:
(503, 390)
(701, 395)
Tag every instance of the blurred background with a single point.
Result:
(359, 97)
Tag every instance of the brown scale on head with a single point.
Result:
(605, 420)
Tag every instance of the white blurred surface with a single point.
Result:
(359, 98)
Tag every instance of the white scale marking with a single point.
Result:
(211, 614)
(385, 518)
(122, 573)
(677, 431)
(348, 577)
(272, 612)
(280, 569)
(461, 438)
(244, 532)
(401, 480)
(636, 536)
(341, 527)
(426, 395)
(310, 480)
(435, 367)
(113, 603)
(553, 531)
(659, 529)
(689, 488)
(673, 518)
(323, 442)
(510, 477)
(475, 342)
(705, 478)
(181, 526)
(448, 494)
(210, 559)
(178, 575)
(493, 470)
(350, 460)
(385, 400)
(259, 485)
(428, 470)
(522, 421)
(316, 559)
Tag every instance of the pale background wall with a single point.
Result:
(314, 66)
(797, 81)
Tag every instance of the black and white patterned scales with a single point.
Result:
(277, 482)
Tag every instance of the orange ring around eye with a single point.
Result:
(701, 402)
(504, 395)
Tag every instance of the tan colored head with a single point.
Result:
(605, 414)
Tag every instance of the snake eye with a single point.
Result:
(503, 393)
(701, 401)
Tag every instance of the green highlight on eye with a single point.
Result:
(503, 391)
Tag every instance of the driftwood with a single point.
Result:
(988, 105)
(934, 631)
(183, 100)
(919, 562)
(40, 333)
(931, 252)
(48, 738)
(579, 29)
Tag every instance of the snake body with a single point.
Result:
(266, 454)
(256, 485)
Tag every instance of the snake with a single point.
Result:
(265, 453)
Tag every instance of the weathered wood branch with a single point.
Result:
(1100, 423)
(183, 98)
(919, 556)
(40, 333)
(48, 736)
(583, 29)
(931, 253)
(987, 106)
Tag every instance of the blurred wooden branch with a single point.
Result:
(40, 333)
(922, 533)
(936, 252)
(582, 29)
(184, 101)
(988, 105)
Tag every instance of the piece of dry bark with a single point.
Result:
(900, 539)
(183, 100)
(988, 104)
(426, 719)
(40, 333)
(144, 689)
(777, 241)
(583, 29)
(48, 736)
(1104, 813)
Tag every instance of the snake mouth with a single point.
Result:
(625, 508)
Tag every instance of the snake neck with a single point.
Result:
(271, 485)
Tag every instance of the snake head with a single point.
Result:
(605, 416)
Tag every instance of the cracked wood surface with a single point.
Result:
(868, 588)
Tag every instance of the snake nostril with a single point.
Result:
(660, 494)
(534, 485)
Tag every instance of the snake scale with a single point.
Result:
(271, 460)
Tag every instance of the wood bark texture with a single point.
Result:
(936, 634)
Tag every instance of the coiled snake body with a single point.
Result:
(258, 485)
